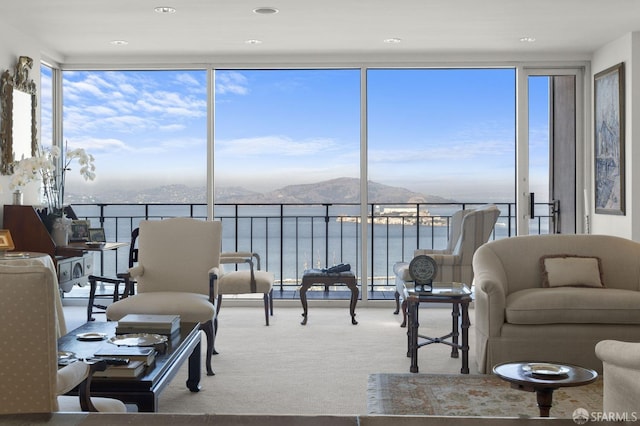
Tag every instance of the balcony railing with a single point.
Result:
(293, 237)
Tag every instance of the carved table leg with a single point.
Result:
(303, 299)
(354, 299)
(455, 329)
(544, 397)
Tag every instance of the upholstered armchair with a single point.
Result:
(621, 370)
(177, 273)
(251, 281)
(30, 380)
(469, 229)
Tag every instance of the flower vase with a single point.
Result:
(60, 231)
(17, 197)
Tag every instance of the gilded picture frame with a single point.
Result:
(6, 242)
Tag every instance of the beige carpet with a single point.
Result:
(319, 368)
(473, 395)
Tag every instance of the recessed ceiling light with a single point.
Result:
(527, 39)
(393, 40)
(165, 9)
(119, 42)
(265, 10)
(253, 41)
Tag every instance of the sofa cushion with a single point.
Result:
(573, 305)
(570, 270)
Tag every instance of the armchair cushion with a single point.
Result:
(192, 307)
(566, 270)
(238, 282)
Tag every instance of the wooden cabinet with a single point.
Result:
(30, 234)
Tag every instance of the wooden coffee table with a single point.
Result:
(543, 385)
(145, 390)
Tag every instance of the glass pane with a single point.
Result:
(287, 142)
(46, 106)
(440, 140)
(539, 88)
(146, 129)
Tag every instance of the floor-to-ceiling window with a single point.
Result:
(289, 139)
(437, 136)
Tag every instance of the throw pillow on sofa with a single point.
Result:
(567, 270)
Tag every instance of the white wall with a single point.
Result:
(14, 43)
(625, 49)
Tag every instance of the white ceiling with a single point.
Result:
(77, 31)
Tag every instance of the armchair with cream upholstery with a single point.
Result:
(249, 281)
(469, 229)
(30, 381)
(621, 371)
(177, 272)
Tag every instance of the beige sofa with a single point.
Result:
(516, 318)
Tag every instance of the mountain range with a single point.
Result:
(339, 190)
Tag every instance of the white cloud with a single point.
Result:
(274, 146)
(231, 82)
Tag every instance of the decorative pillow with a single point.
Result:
(568, 270)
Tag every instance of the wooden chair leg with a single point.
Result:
(397, 296)
(271, 301)
(215, 325)
(265, 297)
(92, 297)
(207, 327)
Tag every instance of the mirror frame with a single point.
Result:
(8, 83)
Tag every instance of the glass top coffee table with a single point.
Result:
(459, 295)
(144, 390)
(543, 378)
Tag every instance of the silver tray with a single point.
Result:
(138, 339)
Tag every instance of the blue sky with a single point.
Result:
(444, 132)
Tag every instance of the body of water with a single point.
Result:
(289, 241)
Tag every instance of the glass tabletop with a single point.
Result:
(438, 289)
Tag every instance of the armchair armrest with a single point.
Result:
(71, 376)
(214, 274)
(85, 386)
(621, 354)
(136, 271)
(240, 257)
(490, 290)
(621, 368)
(79, 374)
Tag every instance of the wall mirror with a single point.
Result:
(18, 103)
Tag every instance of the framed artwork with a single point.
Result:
(6, 243)
(80, 230)
(96, 235)
(608, 134)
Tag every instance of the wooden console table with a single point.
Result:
(73, 262)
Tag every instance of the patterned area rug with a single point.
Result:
(470, 395)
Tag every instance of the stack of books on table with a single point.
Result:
(154, 324)
(124, 361)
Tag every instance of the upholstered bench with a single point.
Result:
(318, 276)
